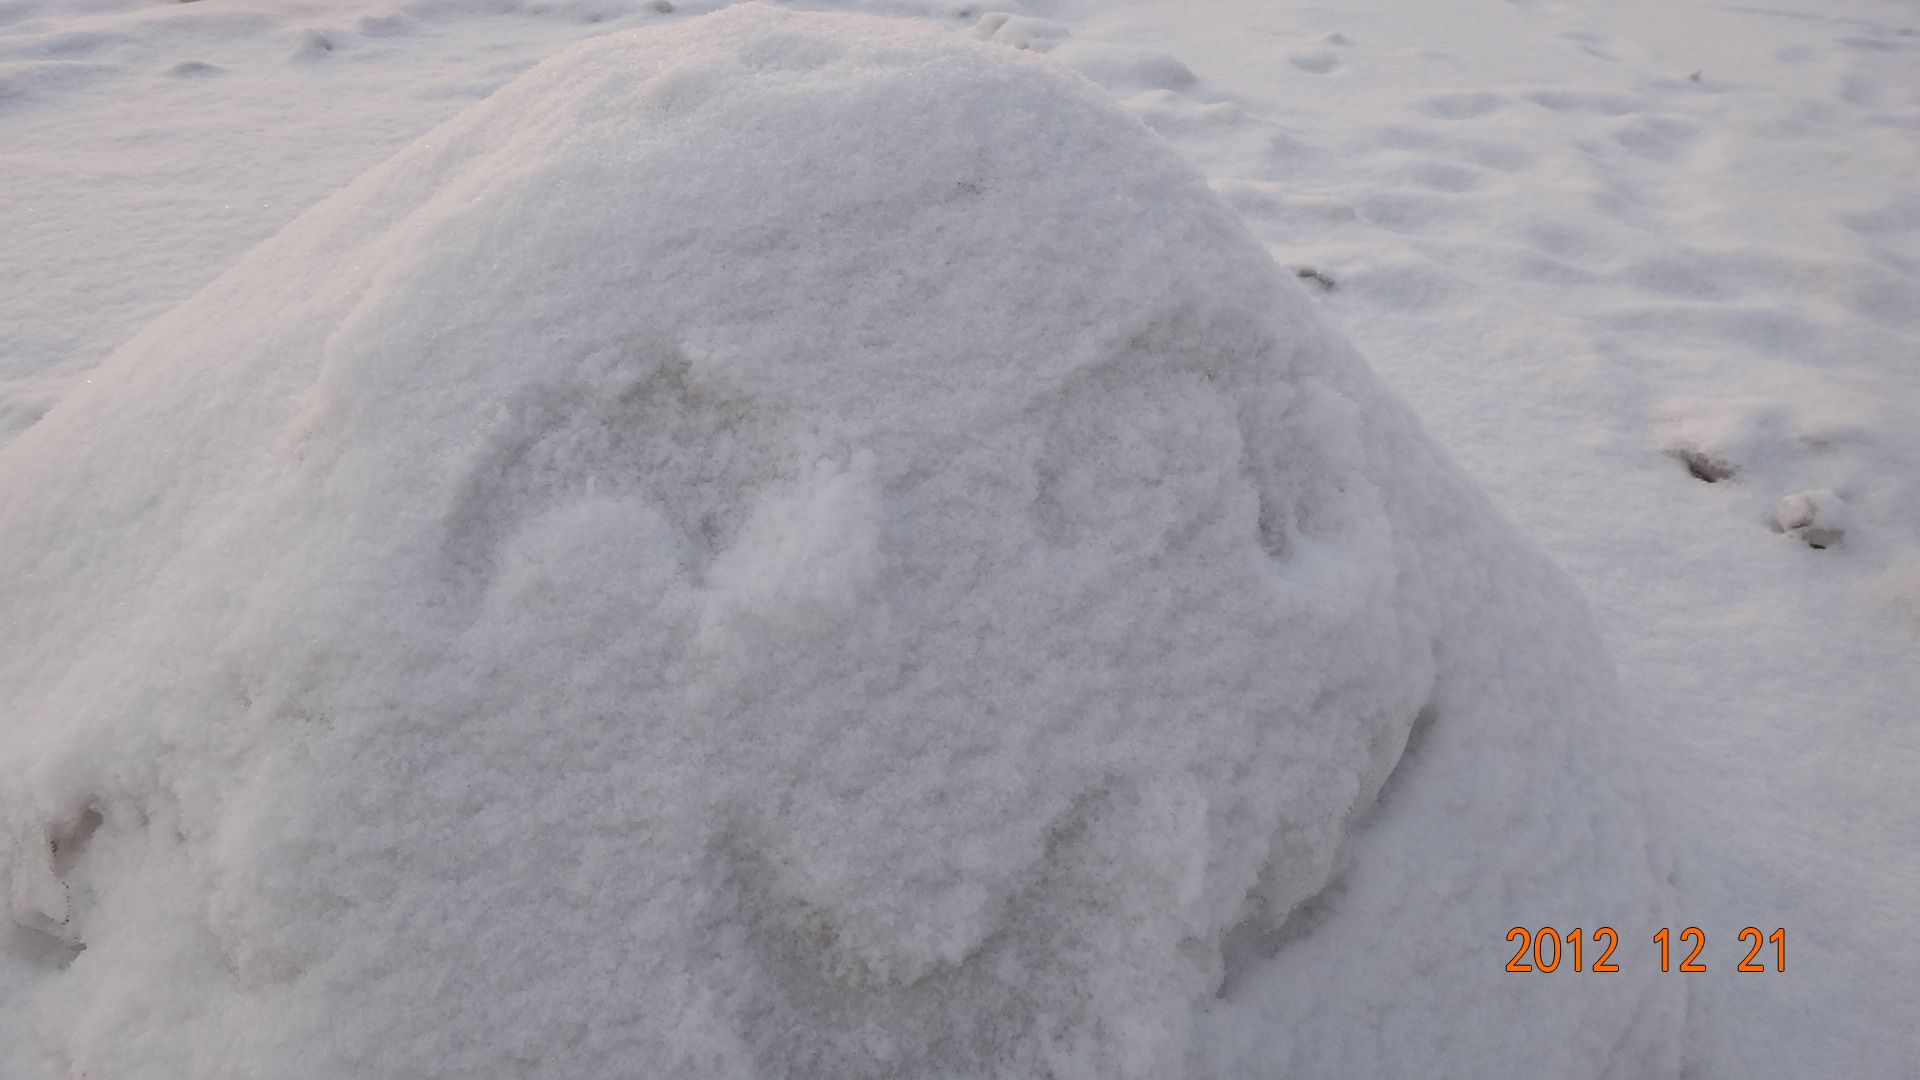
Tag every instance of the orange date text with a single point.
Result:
(1548, 949)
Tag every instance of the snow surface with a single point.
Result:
(793, 545)
(1604, 248)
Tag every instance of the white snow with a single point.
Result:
(329, 728)
(1818, 517)
(793, 545)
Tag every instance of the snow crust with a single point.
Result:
(788, 545)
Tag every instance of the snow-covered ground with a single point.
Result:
(1647, 270)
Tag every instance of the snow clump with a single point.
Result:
(1818, 517)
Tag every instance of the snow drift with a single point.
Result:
(787, 546)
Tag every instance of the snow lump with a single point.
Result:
(787, 546)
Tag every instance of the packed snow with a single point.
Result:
(781, 545)
(794, 545)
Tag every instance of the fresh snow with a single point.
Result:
(328, 728)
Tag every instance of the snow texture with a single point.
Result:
(1817, 517)
(788, 546)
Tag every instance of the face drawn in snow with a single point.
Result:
(819, 549)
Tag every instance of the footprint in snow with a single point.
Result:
(188, 69)
(1469, 105)
(1599, 46)
(1659, 139)
(1315, 63)
(1703, 466)
(314, 45)
(1873, 44)
(392, 25)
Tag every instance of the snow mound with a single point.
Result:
(787, 545)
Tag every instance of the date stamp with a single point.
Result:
(1548, 950)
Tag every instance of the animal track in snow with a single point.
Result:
(314, 45)
(1504, 156)
(1874, 44)
(1593, 104)
(1466, 105)
(1315, 63)
(1405, 211)
(1703, 466)
(1659, 139)
(1447, 177)
(392, 25)
(42, 901)
(1602, 46)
